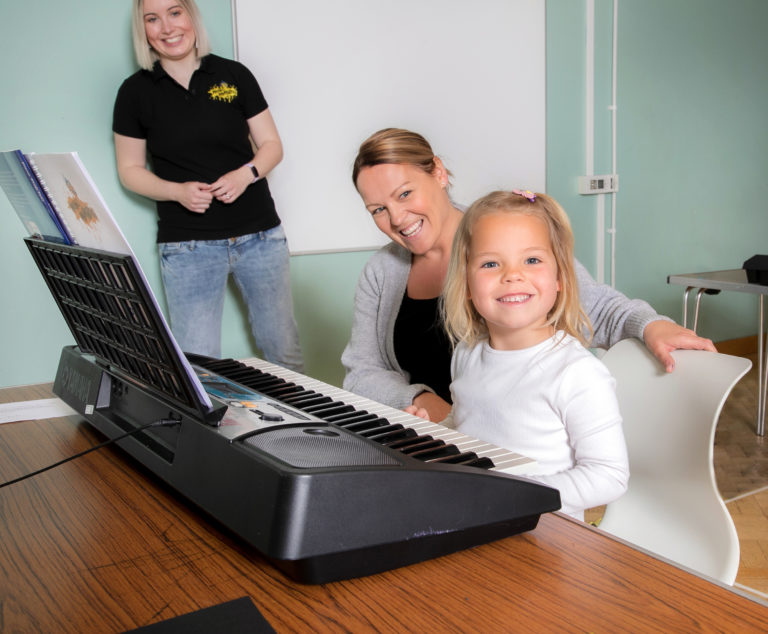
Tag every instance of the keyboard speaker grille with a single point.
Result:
(318, 447)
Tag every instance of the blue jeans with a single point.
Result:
(195, 277)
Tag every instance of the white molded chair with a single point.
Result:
(672, 506)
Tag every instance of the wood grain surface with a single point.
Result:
(100, 545)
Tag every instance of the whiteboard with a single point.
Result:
(469, 76)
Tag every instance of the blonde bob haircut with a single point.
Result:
(460, 317)
(395, 146)
(145, 55)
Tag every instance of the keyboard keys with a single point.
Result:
(387, 426)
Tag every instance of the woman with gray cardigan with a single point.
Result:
(398, 353)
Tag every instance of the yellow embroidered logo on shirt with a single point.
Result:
(223, 92)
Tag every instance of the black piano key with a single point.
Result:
(283, 390)
(370, 427)
(299, 396)
(226, 367)
(295, 390)
(310, 400)
(409, 442)
(423, 446)
(389, 437)
(243, 376)
(239, 372)
(378, 428)
(332, 408)
(483, 463)
(281, 395)
(364, 422)
(374, 434)
(436, 452)
(459, 458)
(406, 435)
(320, 405)
(263, 384)
(348, 417)
(239, 375)
(368, 422)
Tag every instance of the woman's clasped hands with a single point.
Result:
(197, 196)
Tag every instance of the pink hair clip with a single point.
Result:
(525, 193)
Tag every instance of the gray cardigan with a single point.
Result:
(369, 358)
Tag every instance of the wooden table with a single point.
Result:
(99, 545)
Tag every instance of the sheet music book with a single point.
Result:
(78, 202)
(28, 199)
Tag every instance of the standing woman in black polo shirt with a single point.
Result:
(193, 115)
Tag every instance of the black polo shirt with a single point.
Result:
(198, 135)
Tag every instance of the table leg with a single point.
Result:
(685, 306)
(762, 371)
(696, 311)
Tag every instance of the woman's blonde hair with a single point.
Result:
(145, 55)
(395, 146)
(460, 317)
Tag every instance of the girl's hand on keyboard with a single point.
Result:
(421, 412)
(437, 408)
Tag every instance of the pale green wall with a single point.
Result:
(693, 154)
(694, 146)
(692, 142)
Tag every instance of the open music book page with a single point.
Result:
(78, 202)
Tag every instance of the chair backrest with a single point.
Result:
(672, 506)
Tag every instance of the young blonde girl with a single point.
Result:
(521, 375)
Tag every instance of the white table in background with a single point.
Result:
(731, 280)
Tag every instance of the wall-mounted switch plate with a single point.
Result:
(604, 184)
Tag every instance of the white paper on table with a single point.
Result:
(34, 410)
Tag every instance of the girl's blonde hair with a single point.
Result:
(145, 56)
(461, 319)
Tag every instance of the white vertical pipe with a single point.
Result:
(589, 81)
(600, 223)
(590, 87)
(235, 45)
(612, 108)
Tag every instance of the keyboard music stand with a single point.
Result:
(112, 315)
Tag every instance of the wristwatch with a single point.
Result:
(254, 170)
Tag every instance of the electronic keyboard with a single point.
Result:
(326, 484)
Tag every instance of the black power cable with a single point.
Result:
(167, 422)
